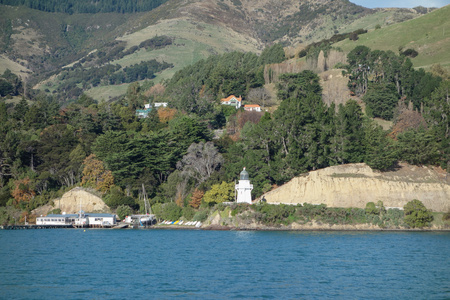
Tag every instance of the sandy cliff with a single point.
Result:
(354, 185)
(70, 203)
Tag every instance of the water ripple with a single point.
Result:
(160, 264)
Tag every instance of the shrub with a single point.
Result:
(446, 216)
(116, 198)
(237, 209)
(55, 211)
(371, 209)
(353, 36)
(276, 214)
(188, 213)
(201, 215)
(417, 215)
(410, 53)
(171, 211)
(123, 211)
(157, 209)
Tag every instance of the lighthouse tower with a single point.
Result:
(244, 188)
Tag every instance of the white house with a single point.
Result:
(159, 104)
(143, 113)
(252, 107)
(156, 105)
(232, 101)
(244, 188)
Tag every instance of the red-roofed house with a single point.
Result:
(252, 107)
(232, 101)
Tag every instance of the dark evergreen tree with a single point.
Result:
(381, 100)
(380, 150)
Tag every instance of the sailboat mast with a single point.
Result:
(146, 204)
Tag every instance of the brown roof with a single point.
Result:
(231, 97)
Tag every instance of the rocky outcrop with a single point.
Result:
(70, 203)
(354, 185)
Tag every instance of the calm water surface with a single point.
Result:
(162, 264)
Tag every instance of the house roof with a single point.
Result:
(251, 105)
(231, 97)
(76, 215)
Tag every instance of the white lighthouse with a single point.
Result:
(244, 188)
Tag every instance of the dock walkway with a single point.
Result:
(32, 226)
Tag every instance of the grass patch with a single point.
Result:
(438, 220)
(107, 92)
(192, 42)
(428, 34)
(16, 68)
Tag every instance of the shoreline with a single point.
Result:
(324, 228)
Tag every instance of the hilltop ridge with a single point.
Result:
(37, 45)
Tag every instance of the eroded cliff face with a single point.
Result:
(354, 185)
(70, 203)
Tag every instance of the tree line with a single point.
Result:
(383, 78)
(46, 149)
(87, 6)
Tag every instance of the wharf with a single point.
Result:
(32, 226)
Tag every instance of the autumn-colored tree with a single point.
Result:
(166, 114)
(407, 118)
(248, 116)
(179, 201)
(96, 175)
(28, 217)
(22, 191)
(196, 198)
(220, 193)
(156, 90)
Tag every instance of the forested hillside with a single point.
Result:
(55, 136)
(47, 149)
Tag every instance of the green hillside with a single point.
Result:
(429, 35)
(45, 46)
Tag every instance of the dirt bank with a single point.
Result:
(354, 185)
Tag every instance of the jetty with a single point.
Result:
(33, 226)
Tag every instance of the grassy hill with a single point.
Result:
(429, 35)
(41, 44)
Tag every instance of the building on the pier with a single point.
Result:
(78, 220)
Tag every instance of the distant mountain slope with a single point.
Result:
(429, 35)
(41, 44)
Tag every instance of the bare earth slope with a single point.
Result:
(70, 203)
(354, 185)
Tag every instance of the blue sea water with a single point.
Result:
(195, 264)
